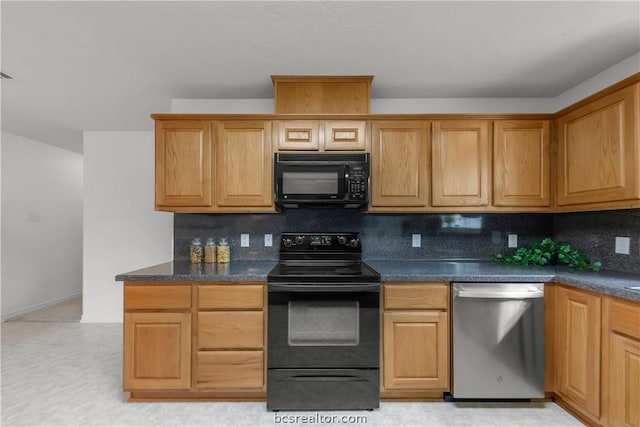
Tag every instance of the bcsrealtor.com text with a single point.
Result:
(319, 418)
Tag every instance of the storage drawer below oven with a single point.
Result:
(323, 389)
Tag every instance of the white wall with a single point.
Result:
(600, 81)
(122, 231)
(41, 224)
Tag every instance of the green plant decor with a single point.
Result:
(548, 252)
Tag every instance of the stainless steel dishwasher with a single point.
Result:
(498, 340)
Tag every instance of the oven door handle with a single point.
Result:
(297, 287)
(338, 378)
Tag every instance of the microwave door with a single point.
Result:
(314, 183)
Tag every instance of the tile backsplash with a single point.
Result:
(594, 233)
(384, 236)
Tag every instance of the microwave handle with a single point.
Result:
(346, 182)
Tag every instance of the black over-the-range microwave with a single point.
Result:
(321, 180)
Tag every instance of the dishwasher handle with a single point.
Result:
(499, 290)
(500, 294)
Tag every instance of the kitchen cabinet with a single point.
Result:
(577, 351)
(621, 362)
(230, 337)
(214, 166)
(244, 165)
(157, 337)
(599, 152)
(399, 165)
(321, 94)
(521, 163)
(415, 340)
(183, 163)
(322, 135)
(194, 341)
(460, 165)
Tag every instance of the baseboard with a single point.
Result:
(28, 310)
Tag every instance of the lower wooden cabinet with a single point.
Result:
(415, 340)
(578, 325)
(194, 341)
(157, 351)
(230, 338)
(621, 363)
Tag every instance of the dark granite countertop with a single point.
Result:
(176, 271)
(605, 282)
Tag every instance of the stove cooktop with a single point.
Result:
(322, 257)
(323, 272)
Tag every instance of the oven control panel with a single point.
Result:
(338, 242)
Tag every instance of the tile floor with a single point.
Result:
(69, 374)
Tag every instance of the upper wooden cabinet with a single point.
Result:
(321, 94)
(244, 164)
(461, 159)
(322, 135)
(214, 166)
(399, 164)
(521, 163)
(598, 150)
(183, 163)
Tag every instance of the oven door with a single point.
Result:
(323, 326)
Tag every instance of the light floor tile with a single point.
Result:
(70, 374)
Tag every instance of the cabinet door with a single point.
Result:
(157, 351)
(399, 162)
(244, 164)
(624, 381)
(298, 135)
(416, 350)
(621, 362)
(345, 135)
(183, 163)
(598, 150)
(521, 157)
(578, 349)
(460, 163)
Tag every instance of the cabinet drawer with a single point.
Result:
(230, 297)
(416, 296)
(624, 317)
(344, 135)
(230, 369)
(231, 329)
(140, 297)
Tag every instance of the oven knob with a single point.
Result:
(342, 240)
(299, 240)
(354, 242)
(287, 242)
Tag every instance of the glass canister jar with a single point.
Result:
(224, 253)
(210, 251)
(196, 251)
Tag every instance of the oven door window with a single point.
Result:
(323, 323)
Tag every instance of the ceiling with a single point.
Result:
(87, 65)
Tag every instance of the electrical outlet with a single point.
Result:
(416, 240)
(244, 240)
(268, 239)
(513, 240)
(622, 245)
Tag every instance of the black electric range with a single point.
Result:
(323, 325)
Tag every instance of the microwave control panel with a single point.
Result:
(358, 180)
